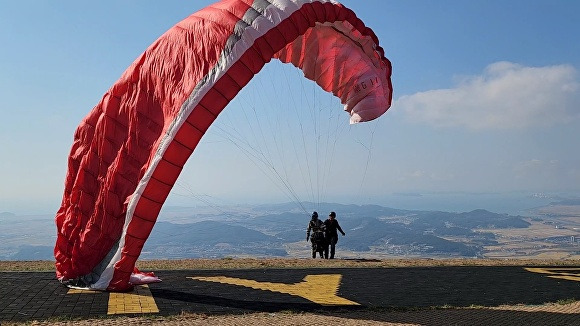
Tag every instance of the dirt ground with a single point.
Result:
(548, 314)
(246, 263)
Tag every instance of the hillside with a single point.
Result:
(372, 232)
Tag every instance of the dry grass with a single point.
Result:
(252, 263)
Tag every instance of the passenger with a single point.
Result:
(318, 238)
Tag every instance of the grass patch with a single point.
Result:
(564, 302)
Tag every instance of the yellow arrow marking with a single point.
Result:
(321, 289)
(138, 301)
(557, 272)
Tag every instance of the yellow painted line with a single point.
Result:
(558, 272)
(80, 291)
(138, 301)
(321, 289)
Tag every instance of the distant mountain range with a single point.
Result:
(267, 230)
(367, 226)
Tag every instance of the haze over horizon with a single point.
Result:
(486, 101)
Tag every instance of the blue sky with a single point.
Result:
(486, 100)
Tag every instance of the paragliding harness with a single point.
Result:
(318, 239)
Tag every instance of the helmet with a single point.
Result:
(314, 215)
(333, 214)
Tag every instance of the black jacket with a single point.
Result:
(331, 228)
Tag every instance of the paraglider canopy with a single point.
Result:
(130, 149)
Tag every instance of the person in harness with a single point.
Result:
(331, 228)
(318, 238)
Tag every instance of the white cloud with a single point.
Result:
(417, 174)
(425, 176)
(546, 175)
(505, 96)
(534, 168)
